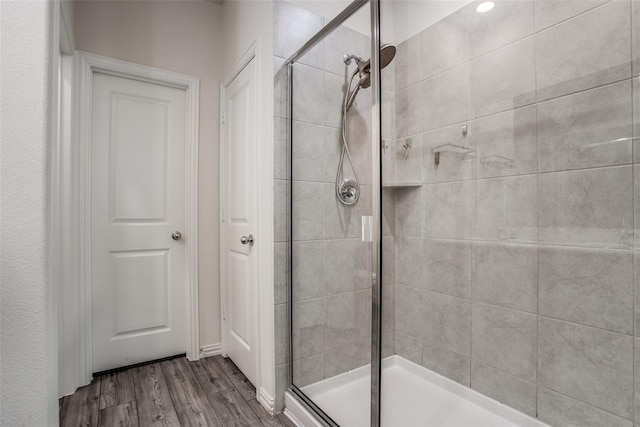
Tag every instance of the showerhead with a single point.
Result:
(387, 53)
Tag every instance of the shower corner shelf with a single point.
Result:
(402, 184)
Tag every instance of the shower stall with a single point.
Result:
(455, 187)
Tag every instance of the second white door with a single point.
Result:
(137, 211)
(239, 192)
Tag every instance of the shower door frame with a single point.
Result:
(376, 232)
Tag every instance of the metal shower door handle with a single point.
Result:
(247, 239)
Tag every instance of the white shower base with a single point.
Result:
(412, 396)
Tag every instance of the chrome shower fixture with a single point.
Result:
(348, 189)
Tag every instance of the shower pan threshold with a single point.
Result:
(411, 396)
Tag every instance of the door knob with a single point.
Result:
(176, 235)
(247, 239)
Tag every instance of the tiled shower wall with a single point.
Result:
(516, 258)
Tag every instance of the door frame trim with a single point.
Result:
(86, 64)
(252, 53)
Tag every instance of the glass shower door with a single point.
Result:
(331, 207)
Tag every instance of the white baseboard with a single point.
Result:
(211, 350)
(268, 401)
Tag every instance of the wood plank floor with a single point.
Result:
(210, 392)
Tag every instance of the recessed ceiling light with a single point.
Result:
(485, 6)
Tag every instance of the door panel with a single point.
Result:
(240, 202)
(137, 202)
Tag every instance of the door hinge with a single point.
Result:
(224, 313)
(224, 118)
(222, 215)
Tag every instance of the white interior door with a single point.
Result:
(239, 182)
(137, 203)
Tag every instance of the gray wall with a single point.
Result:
(515, 263)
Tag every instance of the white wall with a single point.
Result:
(244, 21)
(27, 379)
(185, 37)
(399, 20)
(411, 17)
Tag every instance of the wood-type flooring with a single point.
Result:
(209, 392)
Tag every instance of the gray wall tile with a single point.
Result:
(636, 380)
(308, 324)
(636, 113)
(281, 333)
(560, 410)
(636, 285)
(447, 267)
(408, 111)
(388, 114)
(348, 319)
(506, 143)
(445, 98)
(347, 266)
(316, 152)
(331, 110)
(505, 338)
(506, 275)
(388, 344)
(280, 149)
(551, 12)
(409, 261)
(280, 211)
(635, 41)
(409, 210)
(308, 94)
(308, 370)
(388, 308)
(506, 209)
(592, 287)
(309, 198)
(445, 44)
(282, 383)
(447, 323)
(586, 208)
(360, 112)
(445, 362)
(453, 164)
(307, 270)
(589, 50)
(588, 364)
(409, 317)
(343, 359)
(281, 272)
(448, 209)
(407, 63)
(573, 131)
(503, 79)
(510, 390)
(409, 347)
(360, 148)
(507, 22)
(389, 260)
(409, 159)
